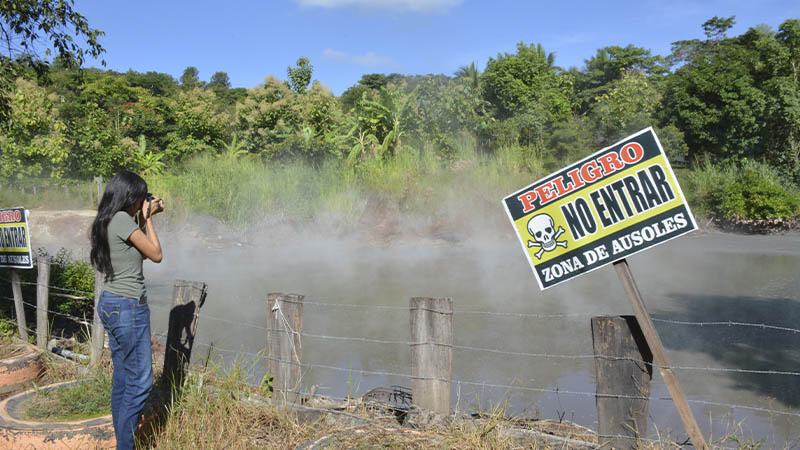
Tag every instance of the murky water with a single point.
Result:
(697, 278)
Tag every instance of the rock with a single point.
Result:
(423, 419)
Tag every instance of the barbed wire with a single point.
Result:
(80, 320)
(29, 283)
(729, 323)
(495, 385)
(352, 305)
(83, 321)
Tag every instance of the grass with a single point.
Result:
(87, 399)
(218, 410)
(245, 191)
(9, 348)
(50, 193)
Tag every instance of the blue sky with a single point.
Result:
(345, 39)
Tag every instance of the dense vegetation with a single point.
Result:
(718, 104)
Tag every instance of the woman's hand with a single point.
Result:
(152, 207)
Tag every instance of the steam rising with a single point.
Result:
(466, 249)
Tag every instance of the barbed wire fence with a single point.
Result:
(456, 382)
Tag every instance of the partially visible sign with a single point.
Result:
(15, 244)
(614, 203)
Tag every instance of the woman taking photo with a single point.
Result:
(123, 235)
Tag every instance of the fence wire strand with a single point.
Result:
(762, 326)
(495, 385)
(83, 321)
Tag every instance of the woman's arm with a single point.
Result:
(146, 241)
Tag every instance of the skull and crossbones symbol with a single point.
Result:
(542, 228)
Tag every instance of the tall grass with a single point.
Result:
(244, 191)
(50, 193)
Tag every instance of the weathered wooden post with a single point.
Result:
(431, 352)
(16, 288)
(624, 368)
(99, 182)
(98, 332)
(42, 297)
(284, 324)
(187, 299)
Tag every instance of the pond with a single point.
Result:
(545, 372)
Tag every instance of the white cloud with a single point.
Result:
(369, 59)
(334, 55)
(373, 59)
(394, 5)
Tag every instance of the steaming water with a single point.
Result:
(697, 278)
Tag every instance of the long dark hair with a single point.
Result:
(122, 192)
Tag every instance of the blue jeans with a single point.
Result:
(128, 326)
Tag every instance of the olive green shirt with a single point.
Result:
(128, 278)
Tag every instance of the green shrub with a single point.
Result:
(752, 196)
(751, 190)
(75, 277)
(68, 276)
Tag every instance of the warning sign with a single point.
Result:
(15, 245)
(614, 203)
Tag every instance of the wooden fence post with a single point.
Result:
(187, 299)
(620, 346)
(42, 297)
(16, 288)
(99, 182)
(284, 324)
(98, 332)
(431, 352)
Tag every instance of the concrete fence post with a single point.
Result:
(98, 332)
(620, 347)
(42, 300)
(284, 347)
(431, 352)
(16, 289)
(99, 182)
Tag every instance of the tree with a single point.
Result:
(220, 82)
(525, 83)
(628, 106)
(717, 98)
(266, 116)
(27, 24)
(374, 80)
(300, 76)
(783, 112)
(160, 84)
(35, 142)
(190, 78)
(24, 21)
(470, 73)
(199, 125)
(609, 64)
